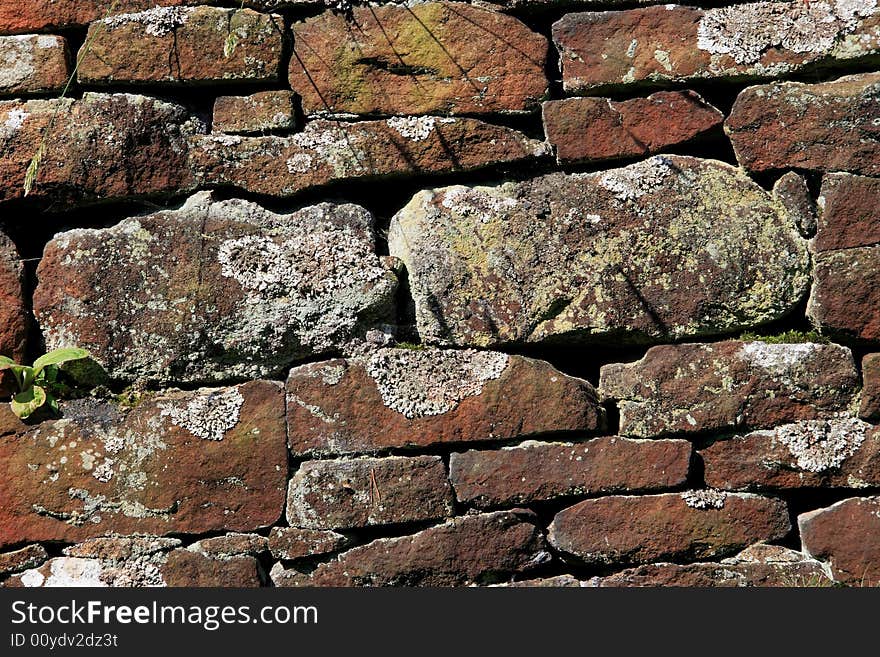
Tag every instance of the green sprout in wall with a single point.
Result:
(37, 383)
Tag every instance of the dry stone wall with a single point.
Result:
(508, 292)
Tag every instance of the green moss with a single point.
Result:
(787, 337)
(132, 397)
(412, 346)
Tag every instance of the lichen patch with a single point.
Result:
(746, 31)
(820, 445)
(431, 382)
(209, 414)
(708, 498)
(157, 22)
(632, 182)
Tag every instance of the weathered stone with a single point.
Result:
(759, 565)
(43, 15)
(295, 543)
(830, 126)
(641, 253)
(349, 493)
(183, 45)
(215, 290)
(185, 568)
(589, 129)
(185, 462)
(675, 44)
(532, 471)
(693, 388)
(32, 64)
(792, 191)
(418, 398)
(681, 526)
(558, 581)
(177, 568)
(845, 299)
(230, 545)
(27, 557)
(870, 405)
(430, 58)
(836, 453)
(88, 152)
(468, 549)
(327, 151)
(260, 112)
(121, 548)
(847, 536)
(13, 316)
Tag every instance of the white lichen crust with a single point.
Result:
(746, 31)
(209, 414)
(820, 445)
(708, 498)
(419, 383)
(156, 22)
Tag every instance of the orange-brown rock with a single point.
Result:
(673, 526)
(829, 126)
(208, 460)
(32, 64)
(420, 398)
(694, 388)
(327, 151)
(533, 471)
(590, 129)
(674, 44)
(430, 58)
(847, 536)
(13, 316)
(260, 112)
(174, 45)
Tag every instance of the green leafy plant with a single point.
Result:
(38, 383)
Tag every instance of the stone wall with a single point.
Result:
(516, 292)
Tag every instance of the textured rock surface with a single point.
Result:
(247, 292)
(27, 557)
(590, 129)
(831, 126)
(847, 536)
(89, 155)
(759, 565)
(32, 64)
(845, 299)
(347, 493)
(13, 318)
(692, 525)
(190, 462)
(869, 408)
(183, 44)
(793, 192)
(534, 471)
(468, 549)
(328, 151)
(419, 398)
(40, 15)
(836, 453)
(692, 388)
(431, 58)
(294, 543)
(671, 43)
(259, 112)
(640, 253)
